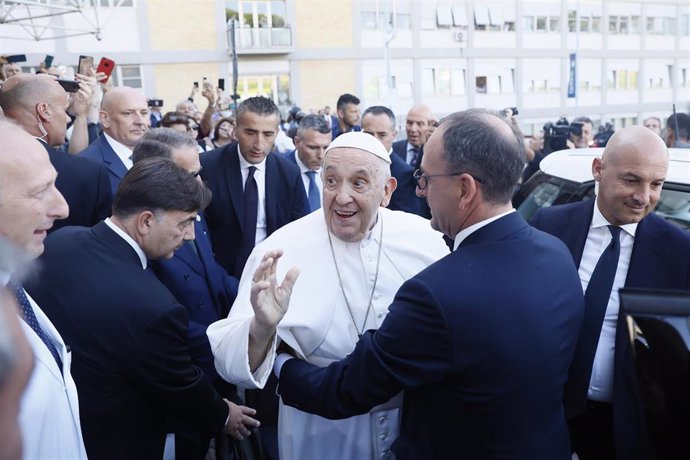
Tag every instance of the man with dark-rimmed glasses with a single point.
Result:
(479, 342)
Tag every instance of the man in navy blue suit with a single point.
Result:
(311, 140)
(379, 121)
(39, 105)
(277, 181)
(480, 342)
(124, 117)
(254, 194)
(418, 127)
(601, 397)
(194, 277)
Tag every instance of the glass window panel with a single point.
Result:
(611, 79)
(493, 84)
(278, 14)
(444, 16)
(232, 11)
(443, 82)
(623, 25)
(130, 71)
(368, 20)
(402, 21)
(634, 24)
(528, 23)
(457, 80)
(669, 26)
(371, 87)
(650, 25)
(596, 24)
(622, 81)
(555, 24)
(584, 23)
(480, 85)
(632, 79)
(428, 82)
(572, 21)
(613, 24)
(541, 23)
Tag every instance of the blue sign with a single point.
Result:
(572, 79)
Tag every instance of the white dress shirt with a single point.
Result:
(260, 178)
(410, 153)
(460, 237)
(123, 152)
(598, 238)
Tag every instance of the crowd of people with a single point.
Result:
(312, 287)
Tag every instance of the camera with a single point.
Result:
(556, 135)
(155, 102)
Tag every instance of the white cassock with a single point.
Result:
(49, 411)
(319, 326)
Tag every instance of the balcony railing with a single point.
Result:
(264, 38)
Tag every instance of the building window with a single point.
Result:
(596, 24)
(112, 3)
(443, 82)
(634, 24)
(572, 21)
(541, 24)
(369, 20)
(480, 85)
(128, 75)
(528, 23)
(613, 24)
(554, 24)
(444, 16)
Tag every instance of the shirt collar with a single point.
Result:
(460, 237)
(4, 279)
(302, 167)
(244, 164)
(598, 221)
(128, 239)
(411, 147)
(121, 150)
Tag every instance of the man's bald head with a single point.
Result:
(630, 174)
(124, 115)
(417, 124)
(39, 104)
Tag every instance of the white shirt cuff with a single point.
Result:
(280, 360)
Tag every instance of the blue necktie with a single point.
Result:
(313, 194)
(596, 300)
(32, 321)
(415, 157)
(251, 210)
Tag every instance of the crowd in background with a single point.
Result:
(262, 171)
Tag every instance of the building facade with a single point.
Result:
(631, 57)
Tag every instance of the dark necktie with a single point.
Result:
(32, 321)
(415, 157)
(251, 206)
(313, 194)
(596, 300)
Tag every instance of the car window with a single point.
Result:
(674, 206)
(549, 192)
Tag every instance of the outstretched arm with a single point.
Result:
(270, 303)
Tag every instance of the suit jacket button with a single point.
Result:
(201, 305)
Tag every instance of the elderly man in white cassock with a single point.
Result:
(352, 256)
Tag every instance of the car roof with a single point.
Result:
(576, 164)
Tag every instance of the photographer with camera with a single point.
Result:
(560, 136)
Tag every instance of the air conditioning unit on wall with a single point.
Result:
(458, 36)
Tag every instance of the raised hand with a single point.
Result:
(270, 300)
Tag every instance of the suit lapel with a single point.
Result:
(233, 180)
(647, 254)
(573, 231)
(187, 255)
(111, 160)
(271, 192)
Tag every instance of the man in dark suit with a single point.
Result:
(38, 104)
(347, 111)
(276, 192)
(127, 332)
(379, 121)
(311, 140)
(193, 276)
(480, 342)
(601, 397)
(418, 127)
(124, 117)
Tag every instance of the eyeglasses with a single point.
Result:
(423, 179)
